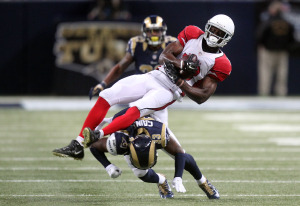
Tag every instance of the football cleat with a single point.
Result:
(74, 150)
(90, 136)
(164, 190)
(210, 190)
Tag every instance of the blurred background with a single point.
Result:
(63, 47)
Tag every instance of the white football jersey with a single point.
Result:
(217, 65)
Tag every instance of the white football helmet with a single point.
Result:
(223, 23)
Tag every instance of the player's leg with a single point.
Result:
(75, 148)
(124, 91)
(174, 150)
(186, 161)
(192, 167)
(265, 71)
(157, 98)
(281, 83)
(161, 115)
(150, 176)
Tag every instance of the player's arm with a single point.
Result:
(170, 53)
(98, 149)
(118, 69)
(202, 92)
(113, 75)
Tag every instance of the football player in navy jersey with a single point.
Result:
(138, 143)
(143, 50)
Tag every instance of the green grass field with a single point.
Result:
(253, 158)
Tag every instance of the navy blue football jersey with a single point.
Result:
(145, 125)
(145, 59)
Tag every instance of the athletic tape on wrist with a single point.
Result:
(181, 84)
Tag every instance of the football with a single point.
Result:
(186, 74)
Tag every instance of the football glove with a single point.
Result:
(97, 89)
(191, 64)
(177, 184)
(171, 72)
(113, 171)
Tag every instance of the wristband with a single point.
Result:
(180, 85)
(181, 64)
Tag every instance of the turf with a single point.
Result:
(246, 155)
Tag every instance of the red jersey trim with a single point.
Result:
(222, 68)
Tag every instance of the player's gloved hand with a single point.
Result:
(177, 184)
(113, 171)
(172, 73)
(97, 89)
(191, 64)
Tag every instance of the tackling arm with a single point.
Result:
(98, 149)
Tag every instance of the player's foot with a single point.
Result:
(210, 190)
(164, 190)
(90, 136)
(74, 150)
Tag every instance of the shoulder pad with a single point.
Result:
(133, 42)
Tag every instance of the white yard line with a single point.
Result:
(267, 127)
(128, 169)
(279, 159)
(148, 195)
(203, 149)
(137, 180)
(251, 117)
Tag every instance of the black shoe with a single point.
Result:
(90, 136)
(74, 150)
(210, 190)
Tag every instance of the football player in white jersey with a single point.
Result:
(154, 91)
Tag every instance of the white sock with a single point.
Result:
(101, 134)
(162, 179)
(79, 140)
(201, 181)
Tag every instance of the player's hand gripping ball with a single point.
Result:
(190, 66)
